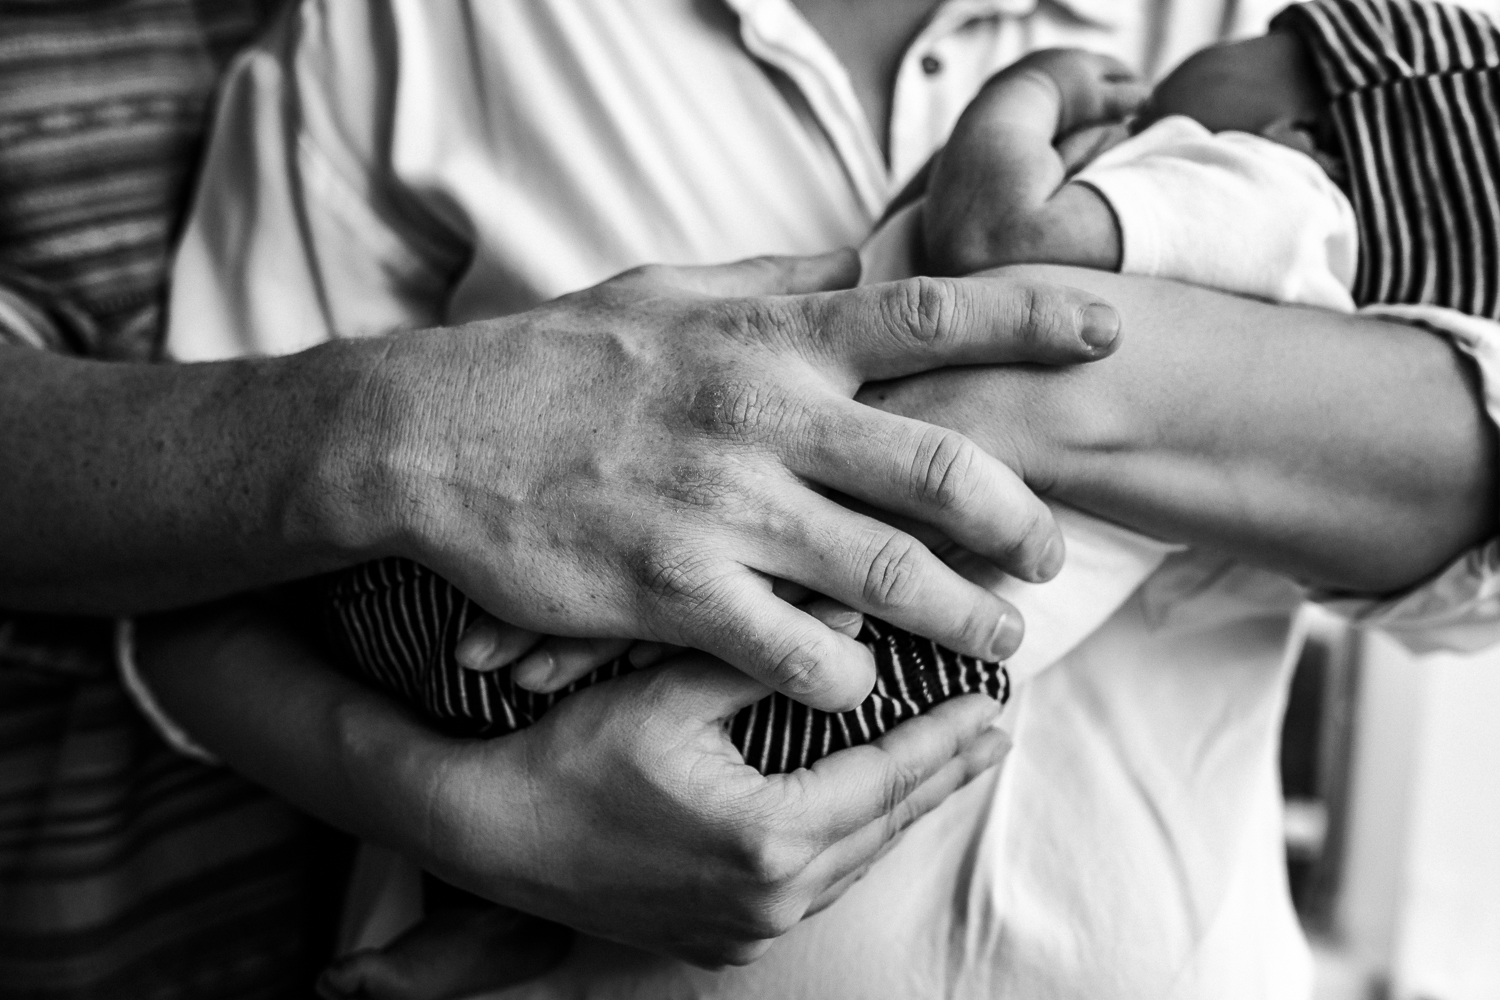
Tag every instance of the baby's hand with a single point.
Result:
(998, 192)
(549, 663)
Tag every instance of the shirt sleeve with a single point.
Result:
(299, 232)
(1457, 610)
(172, 734)
(1183, 194)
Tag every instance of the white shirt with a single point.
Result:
(1183, 194)
(482, 157)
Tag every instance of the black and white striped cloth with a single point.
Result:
(398, 624)
(1414, 90)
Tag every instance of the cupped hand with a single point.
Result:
(643, 458)
(635, 819)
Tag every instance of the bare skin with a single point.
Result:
(1000, 191)
(1342, 450)
(363, 751)
(666, 526)
(701, 857)
(1315, 466)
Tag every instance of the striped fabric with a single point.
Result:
(1415, 97)
(398, 622)
(126, 871)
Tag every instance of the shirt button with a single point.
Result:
(932, 65)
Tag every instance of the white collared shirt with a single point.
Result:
(399, 163)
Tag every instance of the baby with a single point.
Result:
(1347, 158)
(400, 625)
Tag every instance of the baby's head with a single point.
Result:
(1266, 86)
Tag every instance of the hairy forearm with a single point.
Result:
(1345, 451)
(133, 487)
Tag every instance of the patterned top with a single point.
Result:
(1415, 95)
(125, 870)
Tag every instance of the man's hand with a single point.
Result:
(638, 821)
(645, 457)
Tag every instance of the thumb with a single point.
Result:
(825, 272)
(704, 688)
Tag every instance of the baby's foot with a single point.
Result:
(452, 953)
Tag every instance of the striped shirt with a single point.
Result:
(1414, 89)
(125, 870)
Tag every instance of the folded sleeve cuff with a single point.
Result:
(1459, 608)
(140, 692)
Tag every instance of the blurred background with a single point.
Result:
(1390, 766)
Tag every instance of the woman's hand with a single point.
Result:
(1347, 451)
(637, 820)
(625, 811)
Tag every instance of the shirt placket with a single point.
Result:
(776, 33)
(961, 45)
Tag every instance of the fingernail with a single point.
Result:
(847, 622)
(1007, 637)
(477, 649)
(1051, 561)
(535, 671)
(1099, 326)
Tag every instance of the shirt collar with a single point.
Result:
(776, 32)
(955, 14)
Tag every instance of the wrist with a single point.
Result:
(470, 816)
(346, 503)
(394, 769)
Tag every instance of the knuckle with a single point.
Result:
(1032, 313)
(677, 576)
(892, 573)
(770, 862)
(902, 780)
(1025, 528)
(760, 321)
(1040, 315)
(742, 410)
(800, 669)
(946, 471)
(692, 485)
(922, 308)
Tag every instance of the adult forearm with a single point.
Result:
(1346, 451)
(257, 695)
(132, 487)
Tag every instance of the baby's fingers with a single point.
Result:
(489, 644)
(560, 660)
